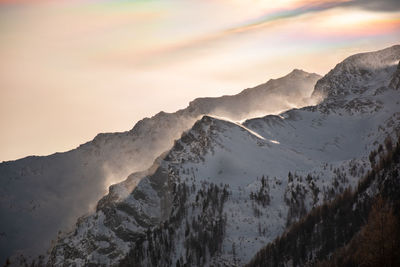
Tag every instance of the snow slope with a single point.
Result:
(40, 196)
(243, 183)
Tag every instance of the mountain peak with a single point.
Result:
(263, 99)
(298, 72)
(358, 73)
(395, 82)
(225, 185)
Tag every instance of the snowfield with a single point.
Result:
(241, 185)
(40, 196)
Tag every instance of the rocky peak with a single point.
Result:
(299, 73)
(395, 82)
(297, 87)
(354, 75)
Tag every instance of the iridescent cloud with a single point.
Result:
(73, 68)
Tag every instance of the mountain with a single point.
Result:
(40, 196)
(273, 97)
(358, 227)
(225, 189)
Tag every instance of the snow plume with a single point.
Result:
(42, 195)
(271, 98)
(125, 179)
(272, 105)
(240, 125)
(158, 133)
(114, 176)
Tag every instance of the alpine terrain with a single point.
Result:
(223, 190)
(42, 197)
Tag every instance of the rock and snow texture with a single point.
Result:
(273, 97)
(41, 195)
(243, 183)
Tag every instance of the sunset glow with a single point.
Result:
(72, 69)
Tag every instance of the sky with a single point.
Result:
(70, 69)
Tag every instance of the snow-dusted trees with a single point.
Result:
(262, 195)
(354, 229)
(183, 239)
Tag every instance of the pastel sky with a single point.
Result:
(70, 69)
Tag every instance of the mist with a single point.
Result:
(72, 69)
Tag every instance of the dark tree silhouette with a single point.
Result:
(379, 245)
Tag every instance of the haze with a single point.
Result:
(72, 69)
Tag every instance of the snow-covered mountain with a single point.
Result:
(40, 196)
(226, 189)
(358, 227)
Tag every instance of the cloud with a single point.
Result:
(375, 5)
(274, 18)
(318, 6)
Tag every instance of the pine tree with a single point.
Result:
(379, 239)
(290, 177)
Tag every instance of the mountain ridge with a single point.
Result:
(323, 152)
(69, 184)
(337, 228)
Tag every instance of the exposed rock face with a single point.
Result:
(292, 90)
(352, 81)
(41, 195)
(395, 83)
(243, 182)
(344, 231)
(357, 73)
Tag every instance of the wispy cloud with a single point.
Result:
(103, 61)
(348, 20)
(375, 5)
